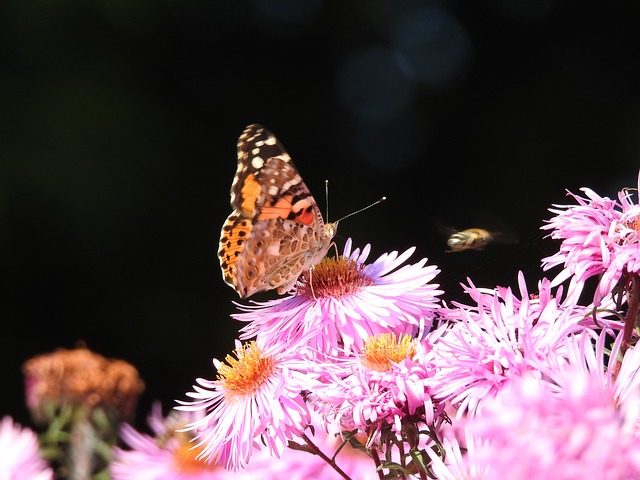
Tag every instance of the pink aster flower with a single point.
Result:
(340, 303)
(165, 455)
(381, 394)
(255, 400)
(20, 453)
(385, 382)
(599, 237)
(570, 423)
(500, 338)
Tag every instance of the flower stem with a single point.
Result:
(633, 308)
(321, 454)
(82, 442)
(376, 460)
(403, 460)
(633, 301)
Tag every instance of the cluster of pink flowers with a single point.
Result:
(344, 351)
(575, 420)
(501, 338)
(365, 372)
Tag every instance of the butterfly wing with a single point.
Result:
(276, 230)
(256, 146)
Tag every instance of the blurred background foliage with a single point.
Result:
(119, 127)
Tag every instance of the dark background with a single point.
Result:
(119, 127)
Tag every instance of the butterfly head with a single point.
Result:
(330, 229)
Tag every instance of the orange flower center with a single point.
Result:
(633, 223)
(186, 461)
(246, 373)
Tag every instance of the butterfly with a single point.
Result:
(275, 231)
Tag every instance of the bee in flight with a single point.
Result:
(469, 239)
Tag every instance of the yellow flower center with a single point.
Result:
(382, 351)
(244, 375)
(333, 278)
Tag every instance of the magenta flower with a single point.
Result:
(165, 455)
(20, 456)
(340, 303)
(500, 338)
(386, 382)
(255, 400)
(599, 237)
(570, 423)
(382, 395)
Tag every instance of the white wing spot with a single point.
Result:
(255, 151)
(257, 162)
(241, 168)
(271, 140)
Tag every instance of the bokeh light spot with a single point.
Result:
(434, 43)
(373, 84)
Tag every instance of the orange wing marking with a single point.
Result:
(283, 208)
(250, 192)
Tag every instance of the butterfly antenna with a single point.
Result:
(382, 199)
(326, 197)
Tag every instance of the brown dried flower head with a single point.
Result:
(80, 377)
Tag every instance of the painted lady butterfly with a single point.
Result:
(275, 231)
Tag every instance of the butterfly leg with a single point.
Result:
(313, 294)
(335, 247)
